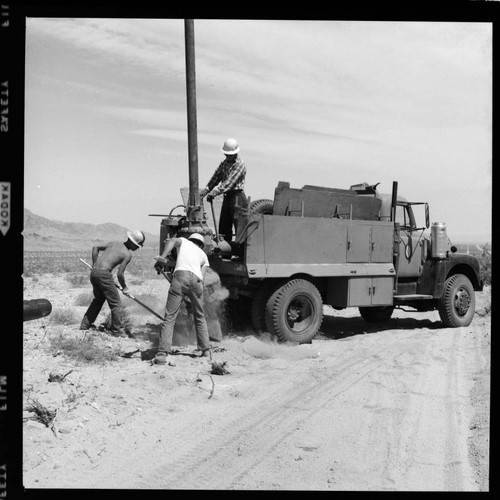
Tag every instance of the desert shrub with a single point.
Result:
(219, 368)
(84, 299)
(57, 377)
(77, 280)
(485, 267)
(89, 348)
(66, 267)
(41, 413)
(63, 316)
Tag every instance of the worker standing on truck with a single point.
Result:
(187, 280)
(228, 180)
(104, 259)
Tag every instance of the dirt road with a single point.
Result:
(400, 407)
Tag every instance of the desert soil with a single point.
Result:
(403, 406)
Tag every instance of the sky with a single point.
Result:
(327, 103)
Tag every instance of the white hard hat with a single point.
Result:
(197, 237)
(136, 237)
(230, 147)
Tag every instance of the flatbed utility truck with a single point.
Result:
(345, 248)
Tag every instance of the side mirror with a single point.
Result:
(427, 217)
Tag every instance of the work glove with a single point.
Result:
(211, 196)
(203, 193)
(160, 264)
(122, 289)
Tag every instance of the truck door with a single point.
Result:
(411, 244)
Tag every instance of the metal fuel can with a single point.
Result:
(439, 239)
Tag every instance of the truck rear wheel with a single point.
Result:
(376, 314)
(294, 312)
(458, 302)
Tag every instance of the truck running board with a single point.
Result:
(413, 296)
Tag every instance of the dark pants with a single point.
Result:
(228, 214)
(184, 283)
(104, 290)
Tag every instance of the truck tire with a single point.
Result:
(262, 206)
(294, 312)
(376, 314)
(458, 303)
(258, 306)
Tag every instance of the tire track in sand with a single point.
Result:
(430, 452)
(222, 459)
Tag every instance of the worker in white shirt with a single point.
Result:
(187, 280)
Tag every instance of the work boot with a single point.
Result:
(119, 333)
(161, 358)
(86, 326)
(113, 333)
(207, 353)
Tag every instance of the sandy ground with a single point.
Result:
(400, 407)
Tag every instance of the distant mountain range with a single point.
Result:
(41, 233)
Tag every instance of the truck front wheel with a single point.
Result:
(294, 312)
(376, 314)
(458, 302)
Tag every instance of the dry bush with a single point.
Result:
(84, 299)
(485, 267)
(89, 348)
(72, 397)
(57, 377)
(219, 368)
(64, 316)
(42, 414)
(77, 280)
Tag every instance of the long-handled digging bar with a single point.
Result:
(130, 296)
(215, 221)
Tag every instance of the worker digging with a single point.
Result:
(187, 280)
(104, 259)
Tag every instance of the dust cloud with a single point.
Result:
(214, 295)
(267, 346)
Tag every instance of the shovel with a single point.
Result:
(130, 296)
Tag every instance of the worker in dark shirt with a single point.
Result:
(228, 180)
